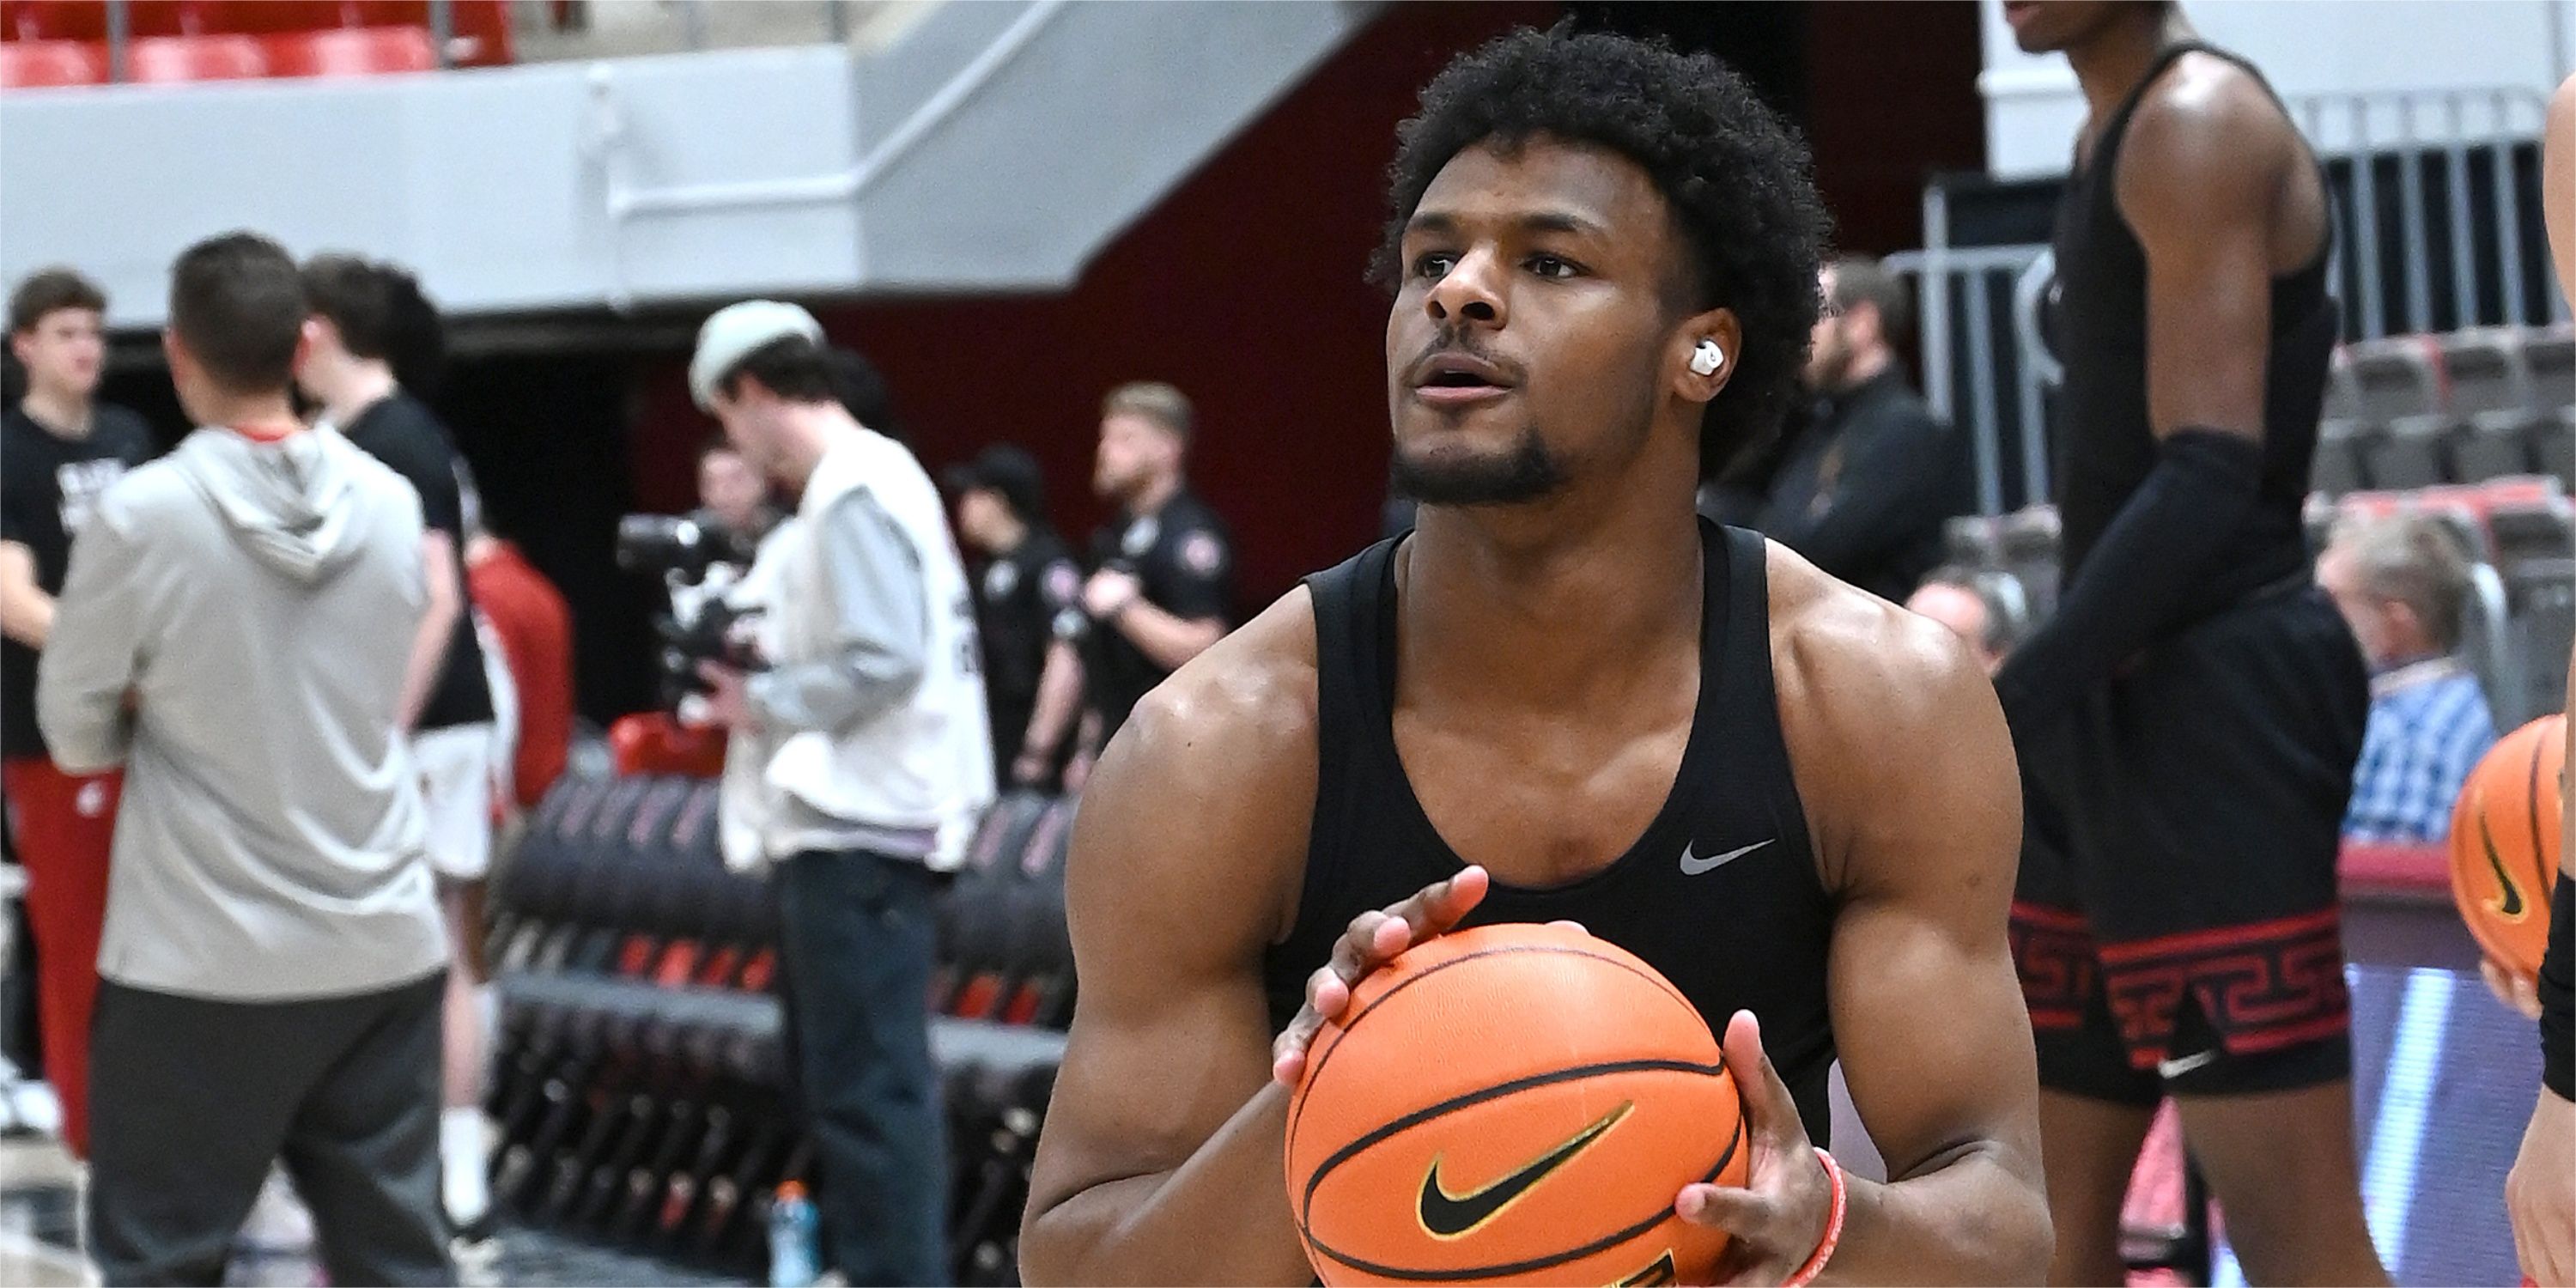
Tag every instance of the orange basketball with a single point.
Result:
(2504, 843)
(1512, 1105)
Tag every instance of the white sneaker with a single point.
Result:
(279, 1222)
(34, 1105)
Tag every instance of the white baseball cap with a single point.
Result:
(737, 331)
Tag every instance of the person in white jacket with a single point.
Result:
(233, 632)
(876, 762)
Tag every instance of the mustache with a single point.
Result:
(1453, 339)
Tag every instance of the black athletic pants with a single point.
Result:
(191, 1100)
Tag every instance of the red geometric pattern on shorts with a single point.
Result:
(2053, 953)
(2263, 986)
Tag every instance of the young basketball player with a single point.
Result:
(1563, 697)
(2541, 1191)
(2193, 710)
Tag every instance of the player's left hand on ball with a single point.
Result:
(1373, 940)
(1778, 1215)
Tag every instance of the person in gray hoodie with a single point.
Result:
(233, 631)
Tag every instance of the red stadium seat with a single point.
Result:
(42, 64)
(353, 51)
(162, 59)
(654, 743)
(54, 19)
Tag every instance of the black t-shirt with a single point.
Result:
(1023, 600)
(48, 486)
(1185, 559)
(403, 433)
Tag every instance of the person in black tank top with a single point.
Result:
(1562, 698)
(2189, 719)
(1733, 797)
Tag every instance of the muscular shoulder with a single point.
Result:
(1210, 785)
(1877, 704)
(2206, 132)
(1249, 690)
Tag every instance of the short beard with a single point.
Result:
(1527, 473)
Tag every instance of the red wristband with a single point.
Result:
(1815, 1266)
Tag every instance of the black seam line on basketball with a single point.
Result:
(1602, 1244)
(2510, 907)
(2539, 748)
(1496, 1092)
(1318, 1071)
(1657, 1273)
(1481, 1206)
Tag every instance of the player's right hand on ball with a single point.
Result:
(2516, 991)
(1373, 940)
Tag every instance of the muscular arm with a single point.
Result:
(437, 626)
(1927, 1009)
(26, 611)
(2200, 181)
(1162, 1159)
(1165, 639)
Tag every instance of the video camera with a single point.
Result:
(684, 547)
(699, 562)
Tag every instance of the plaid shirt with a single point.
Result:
(2429, 723)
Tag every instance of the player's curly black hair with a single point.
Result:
(1738, 179)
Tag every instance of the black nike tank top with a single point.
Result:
(2105, 444)
(1720, 894)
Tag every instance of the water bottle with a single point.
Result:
(793, 1258)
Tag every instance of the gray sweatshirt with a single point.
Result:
(258, 601)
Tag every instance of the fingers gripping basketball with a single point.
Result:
(1511, 1104)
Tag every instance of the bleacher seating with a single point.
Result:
(164, 59)
(642, 1090)
(2519, 533)
(46, 64)
(350, 51)
(2417, 411)
(47, 43)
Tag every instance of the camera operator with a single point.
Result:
(701, 556)
(733, 499)
(871, 718)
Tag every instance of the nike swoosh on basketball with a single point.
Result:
(1447, 1216)
(2177, 1068)
(1693, 865)
(2510, 907)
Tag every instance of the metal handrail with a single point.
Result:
(623, 203)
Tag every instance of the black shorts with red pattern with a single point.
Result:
(2175, 923)
(2219, 1012)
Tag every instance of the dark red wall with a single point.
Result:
(1891, 101)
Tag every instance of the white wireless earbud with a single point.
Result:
(1707, 358)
